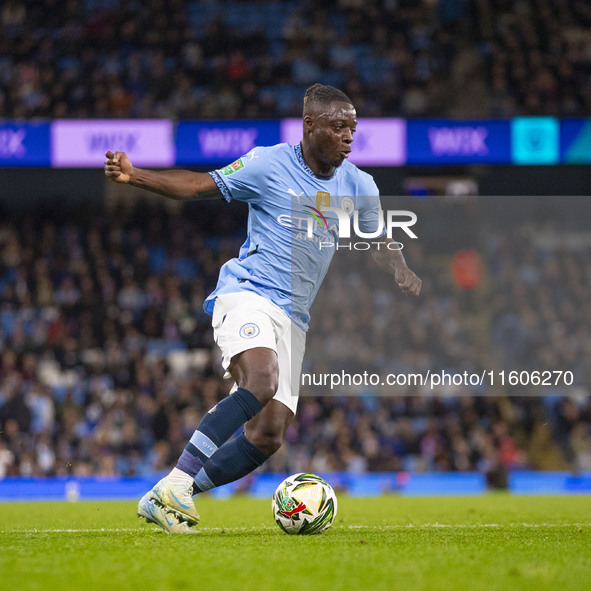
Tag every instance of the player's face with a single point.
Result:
(332, 134)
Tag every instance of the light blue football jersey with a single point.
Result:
(282, 259)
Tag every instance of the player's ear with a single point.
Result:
(308, 124)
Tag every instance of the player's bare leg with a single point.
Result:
(257, 371)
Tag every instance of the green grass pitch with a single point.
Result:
(492, 542)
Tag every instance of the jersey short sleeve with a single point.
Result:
(370, 210)
(245, 178)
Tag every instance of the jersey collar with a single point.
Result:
(300, 156)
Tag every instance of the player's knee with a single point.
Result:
(263, 382)
(266, 440)
(257, 370)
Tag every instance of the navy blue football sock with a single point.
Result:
(216, 427)
(231, 461)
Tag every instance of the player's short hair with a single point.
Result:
(321, 95)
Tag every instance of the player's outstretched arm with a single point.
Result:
(392, 261)
(176, 184)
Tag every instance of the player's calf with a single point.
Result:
(266, 430)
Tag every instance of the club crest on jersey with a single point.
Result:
(249, 330)
(322, 200)
(232, 168)
(347, 205)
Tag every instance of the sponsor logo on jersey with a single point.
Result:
(317, 215)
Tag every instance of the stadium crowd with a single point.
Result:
(107, 360)
(253, 59)
(106, 357)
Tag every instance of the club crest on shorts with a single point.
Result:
(249, 330)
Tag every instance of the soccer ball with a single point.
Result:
(304, 504)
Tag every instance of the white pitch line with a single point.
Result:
(466, 525)
(120, 529)
(68, 531)
(255, 528)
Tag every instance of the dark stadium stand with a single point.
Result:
(253, 59)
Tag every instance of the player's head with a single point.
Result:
(329, 120)
(319, 96)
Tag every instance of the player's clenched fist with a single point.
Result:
(407, 281)
(118, 167)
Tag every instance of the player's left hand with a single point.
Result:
(118, 167)
(407, 281)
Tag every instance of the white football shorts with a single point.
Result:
(245, 320)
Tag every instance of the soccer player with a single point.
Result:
(260, 305)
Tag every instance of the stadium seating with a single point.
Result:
(409, 59)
